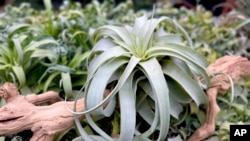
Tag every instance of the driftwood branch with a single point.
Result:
(236, 67)
(24, 113)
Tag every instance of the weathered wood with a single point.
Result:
(236, 67)
(24, 113)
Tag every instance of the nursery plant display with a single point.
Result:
(147, 60)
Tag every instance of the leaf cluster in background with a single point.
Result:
(37, 46)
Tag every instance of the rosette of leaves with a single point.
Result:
(39, 53)
(19, 44)
(151, 74)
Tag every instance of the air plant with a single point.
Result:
(153, 73)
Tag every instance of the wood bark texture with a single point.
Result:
(237, 68)
(26, 113)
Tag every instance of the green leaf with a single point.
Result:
(127, 109)
(66, 83)
(119, 34)
(17, 27)
(104, 58)
(144, 109)
(177, 92)
(48, 6)
(19, 72)
(42, 53)
(19, 50)
(176, 107)
(196, 63)
(49, 81)
(36, 44)
(51, 73)
(103, 44)
(168, 38)
(188, 84)
(153, 72)
(100, 81)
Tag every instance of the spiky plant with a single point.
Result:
(35, 53)
(153, 72)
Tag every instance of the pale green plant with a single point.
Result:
(39, 53)
(154, 73)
